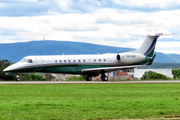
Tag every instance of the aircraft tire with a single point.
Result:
(105, 78)
(88, 78)
(18, 79)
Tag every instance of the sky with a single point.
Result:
(120, 23)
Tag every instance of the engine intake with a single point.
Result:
(118, 57)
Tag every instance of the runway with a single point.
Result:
(89, 82)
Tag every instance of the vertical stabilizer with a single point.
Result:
(148, 46)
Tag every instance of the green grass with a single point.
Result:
(88, 101)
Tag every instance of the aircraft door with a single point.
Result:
(39, 62)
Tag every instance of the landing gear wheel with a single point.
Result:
(88, 78)
(105, 78)
(18, 79)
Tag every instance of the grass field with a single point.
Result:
(88, 101)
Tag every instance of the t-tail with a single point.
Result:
(148, 46)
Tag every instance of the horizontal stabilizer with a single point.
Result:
(159, 34)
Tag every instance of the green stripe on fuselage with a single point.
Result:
(144, 62)
(72, 68)
(61, 68)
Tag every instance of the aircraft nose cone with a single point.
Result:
(10, 68)
(6, 69)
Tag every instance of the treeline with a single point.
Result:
(156, 65)
(150, 75)
(3, 64)
(176, 74)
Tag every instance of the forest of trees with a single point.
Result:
(3, 64)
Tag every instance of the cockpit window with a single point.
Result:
(30, 61)
(23, 60)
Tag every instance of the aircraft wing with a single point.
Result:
(106, 69)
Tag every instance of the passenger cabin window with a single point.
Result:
(55, 60)
(133, 56)
(64, 60)
(69, 61)
(74, 61)
(79, 60)
(94, 60)
(29, 61)
(60, 61)
(104, 60)
(84, 60)
(99, 60)
(23, 60)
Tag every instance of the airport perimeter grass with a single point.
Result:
(88, 101)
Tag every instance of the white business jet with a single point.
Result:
(88, 65)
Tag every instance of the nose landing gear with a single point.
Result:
(17, 78)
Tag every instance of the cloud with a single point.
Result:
(86, 25)
(166, 47)
(46, 7)
(107, 22)
(154, 3)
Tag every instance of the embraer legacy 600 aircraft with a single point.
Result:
(88, 65)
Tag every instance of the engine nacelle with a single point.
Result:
(129, 58)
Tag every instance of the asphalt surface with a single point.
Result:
(88, 82)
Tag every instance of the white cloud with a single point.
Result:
(118, 1)
(84, 25)
(127, 36)
(153, 3)
(104, 26)
(2, 4)
(19, 0)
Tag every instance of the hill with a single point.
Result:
(16, 51)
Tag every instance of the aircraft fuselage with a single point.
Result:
(73, 64)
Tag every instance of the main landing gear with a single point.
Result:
(104, 77)
(87, 77)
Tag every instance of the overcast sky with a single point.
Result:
(107, 22)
